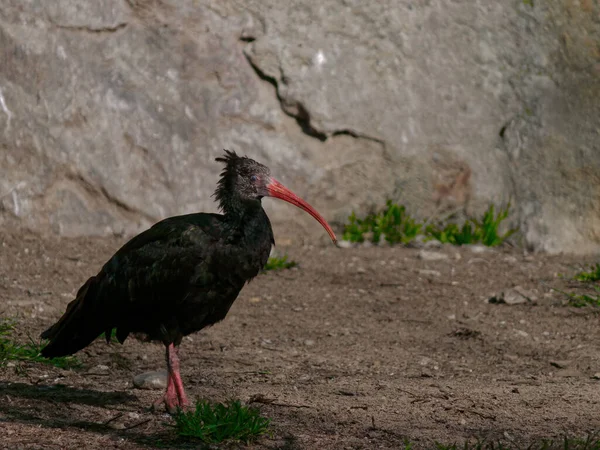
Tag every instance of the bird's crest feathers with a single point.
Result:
(229, 157)
(233, 165)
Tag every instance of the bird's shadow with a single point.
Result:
(12, 411)
(64, 394)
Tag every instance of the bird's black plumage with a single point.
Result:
(177, 277)
(181, 275)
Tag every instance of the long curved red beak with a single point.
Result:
(278, 190)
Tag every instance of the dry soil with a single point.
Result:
(355, 348)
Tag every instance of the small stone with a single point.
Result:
(596, 376)
(477, 261)
(345, 244)
(151, 380)
(477, 248)
(521, 333)
(102, 367)
(309, 342)
(513, 296)
(432, 256)
(529, 295)
(254, 299)
(426, 361)
(434, 243)
(361, 270)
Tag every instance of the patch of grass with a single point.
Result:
(278, 263)
(396, 226)
(10, 350)
(393, 224)
(581, 300)
(215, 423)
(485, 231)
(112, 339)
(592, 275)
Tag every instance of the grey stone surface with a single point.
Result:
(112, 111)
(151, 380)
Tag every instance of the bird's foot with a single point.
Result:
(171, 403)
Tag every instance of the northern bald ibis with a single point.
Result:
(181, 275)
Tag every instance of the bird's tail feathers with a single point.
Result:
(78, 326)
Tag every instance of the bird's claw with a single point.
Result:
(171, 403)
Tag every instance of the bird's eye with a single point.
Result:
(253, 178)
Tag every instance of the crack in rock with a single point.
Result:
(87, 29)
(107, 197)
(298, 111)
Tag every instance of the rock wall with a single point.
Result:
(112, 111)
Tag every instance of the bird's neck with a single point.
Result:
(251, 234)
(248, 218)
(240, 210)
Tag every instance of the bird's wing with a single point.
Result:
(163, 260)
(143, 279)
(199, 227)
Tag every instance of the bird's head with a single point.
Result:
(245, 182)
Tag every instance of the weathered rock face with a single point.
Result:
(112, 111)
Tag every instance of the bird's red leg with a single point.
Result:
(173, 364)
(169, 399)
(174, 396)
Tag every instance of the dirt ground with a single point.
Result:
(355, 348)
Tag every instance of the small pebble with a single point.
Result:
(522, 333)
(151, 380)
(432, 256)
(477, 248)
(434, 243)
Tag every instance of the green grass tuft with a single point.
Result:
(485, 231)
(278, 263)
(393, 224)
(581, 300)
(218, 422)
(10, 350)
(592, 275)
(113, 338)
(396, 226)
